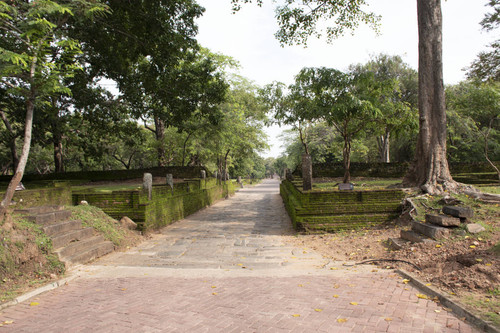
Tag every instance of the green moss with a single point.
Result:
(95, 217)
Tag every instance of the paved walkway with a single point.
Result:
(225, 269)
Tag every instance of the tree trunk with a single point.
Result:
(384, 146)
(184, 148)
(58, 151)
(12, 141)
(347, 159)
(160, 137)
(429, 170)
(9, 193)
(306, 172)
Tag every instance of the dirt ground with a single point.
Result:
(465, 266)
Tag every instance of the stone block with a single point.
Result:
(442, 220)
(431, 231)
(397, 243)
(414, 237)
(147, 184)
(474, 228)
(461, 212)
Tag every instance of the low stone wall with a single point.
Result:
(166, 205)
(60, 195)
(330, 211)
(176, 171)
(464, 172)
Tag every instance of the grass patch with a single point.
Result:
(359, 184)
(488, 306)
(94, 217)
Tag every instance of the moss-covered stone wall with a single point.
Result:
(332, 211)
(60, 195)
(165, 206)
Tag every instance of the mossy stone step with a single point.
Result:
(78, 247)
(62, 227)
(50, 217)
(71, 236)
(94, 252)
(39, 210)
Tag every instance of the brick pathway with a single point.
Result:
(225, 269)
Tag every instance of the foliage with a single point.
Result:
(300, 19)
(487, 65)
(475, 110)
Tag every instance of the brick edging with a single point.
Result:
(449, 302)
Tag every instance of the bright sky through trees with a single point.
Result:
(248, 36)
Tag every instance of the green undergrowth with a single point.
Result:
(104, 224)
(488, 306)
(26, 258)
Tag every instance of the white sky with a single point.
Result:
(248, 36)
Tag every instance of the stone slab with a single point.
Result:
(414, 237)
(462, 212)
(431, 231)
(442, 220)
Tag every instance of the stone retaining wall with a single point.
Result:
(330, 211)
(165, 206)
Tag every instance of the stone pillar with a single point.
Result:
(147, 185)
(170, 181)
(306, 172)
(240, 182)
(203, 174)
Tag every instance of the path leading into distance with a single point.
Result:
(226, 269)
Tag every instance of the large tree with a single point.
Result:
(300, 19)
(30, 34)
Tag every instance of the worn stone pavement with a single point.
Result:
(226, 269)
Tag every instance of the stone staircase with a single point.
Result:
(73, 243)
(435, 228)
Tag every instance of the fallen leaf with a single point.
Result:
(429, 284)
(215, 294)
(405, 281)
(422, 296)
(353, 303)
(388, 319)
(438, 246)
(479, 260)
(336, 286)
(437, 311)
(488, 264)
(34, 303)
(123, 289)
(8, 322)
(341, 320)
(479, 239)
(336, 296)
(333, 268)
(240, 264)
(213, 287)
(296, 315)
(472, 246)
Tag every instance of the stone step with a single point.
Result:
(70, 236)
(94, 252)
(62, 227)
(79, 247)
(397, 243)
(415, 237)
(50, 217)
(38, 210)
(431, 231)
(442, 220)
(460, 212)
